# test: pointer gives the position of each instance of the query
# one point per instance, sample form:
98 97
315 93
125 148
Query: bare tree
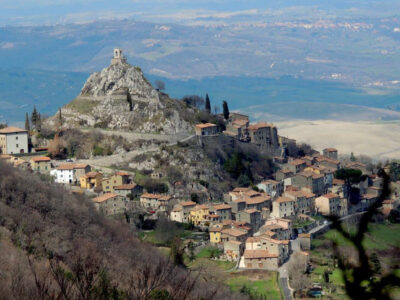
297 272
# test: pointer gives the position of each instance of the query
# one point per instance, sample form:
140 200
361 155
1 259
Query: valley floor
379 140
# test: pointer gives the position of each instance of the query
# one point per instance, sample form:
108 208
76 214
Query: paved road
285 288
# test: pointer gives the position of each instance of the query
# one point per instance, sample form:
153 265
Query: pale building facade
13 140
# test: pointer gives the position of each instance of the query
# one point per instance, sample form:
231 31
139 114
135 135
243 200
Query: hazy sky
15 12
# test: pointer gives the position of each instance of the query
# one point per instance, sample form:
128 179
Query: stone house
206 129
155 201
283 207
110 204
273 188
264 135
41 164
331 153
296 166
119 178
252 217
260 259
181 212
279 248
328 162
233 250
283 174
304 201
91 180
258 201
237 127
315 183
128 189
328 204
286 227
13 140
233 234
305 241
223 210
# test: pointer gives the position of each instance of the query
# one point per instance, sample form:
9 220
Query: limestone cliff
120 97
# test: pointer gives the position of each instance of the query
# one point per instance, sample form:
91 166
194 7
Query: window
17 145
16 139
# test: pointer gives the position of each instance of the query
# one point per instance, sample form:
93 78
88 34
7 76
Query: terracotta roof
215 229
234 232
251 211
269 181
252 193
285 171
259 125
301 193
222 206
40 159
284 199
330 195
72 166
386 211
254 254
297 162
104 197
120 173
165 198
257 200
129 186
310 174
91 174
150 196
330 150
177 209
200 207
206 125
214 216
188 203
369 196
11 130
253 239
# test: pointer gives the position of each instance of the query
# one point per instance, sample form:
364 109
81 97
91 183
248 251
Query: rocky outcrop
120 97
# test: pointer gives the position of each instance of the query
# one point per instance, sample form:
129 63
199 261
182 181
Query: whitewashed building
13 140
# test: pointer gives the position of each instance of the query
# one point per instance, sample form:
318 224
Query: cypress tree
60 119
225 109
34 116
208 104
27 124
38 123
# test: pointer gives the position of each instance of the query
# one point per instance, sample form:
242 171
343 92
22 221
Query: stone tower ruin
118 56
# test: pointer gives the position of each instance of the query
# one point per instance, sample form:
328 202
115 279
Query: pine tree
27 124
34 116
225 109
208 104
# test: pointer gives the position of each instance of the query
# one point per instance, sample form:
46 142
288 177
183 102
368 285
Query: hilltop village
260 224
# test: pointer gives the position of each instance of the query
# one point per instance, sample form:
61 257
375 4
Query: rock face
120 97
